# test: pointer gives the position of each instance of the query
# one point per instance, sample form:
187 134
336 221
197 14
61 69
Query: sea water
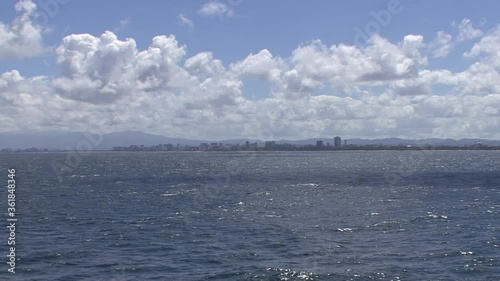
339 215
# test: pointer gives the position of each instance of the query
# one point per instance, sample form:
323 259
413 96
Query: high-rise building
204 146
269 144
319 143
337 141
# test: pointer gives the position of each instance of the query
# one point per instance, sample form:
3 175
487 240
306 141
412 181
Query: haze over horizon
252 69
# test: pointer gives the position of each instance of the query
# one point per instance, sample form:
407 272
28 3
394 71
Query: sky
252 68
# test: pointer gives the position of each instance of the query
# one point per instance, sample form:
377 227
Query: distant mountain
423 142
62 140
240 141
135 137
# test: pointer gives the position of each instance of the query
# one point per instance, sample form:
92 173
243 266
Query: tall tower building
337 141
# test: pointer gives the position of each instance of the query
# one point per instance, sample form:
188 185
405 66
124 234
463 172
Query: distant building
269 144
204 146
254 146
337 141
214 146
319 143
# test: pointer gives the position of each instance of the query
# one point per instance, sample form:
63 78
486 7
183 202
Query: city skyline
252 69
136 141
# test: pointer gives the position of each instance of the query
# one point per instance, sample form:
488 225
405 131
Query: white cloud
482 76
93 69
441 45
103 69
344 66
123 24
184 20
21 38
204 65
488 45
467 31
215 8
261 65
380 90
413 87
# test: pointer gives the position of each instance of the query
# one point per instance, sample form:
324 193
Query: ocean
332 215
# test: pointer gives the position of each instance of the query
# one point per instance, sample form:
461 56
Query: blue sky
299 38
278 26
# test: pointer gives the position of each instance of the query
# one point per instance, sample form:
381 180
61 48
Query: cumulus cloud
22 38
315 64
103 69
261 65
215 8
467 31
204 65
488 45
93 69
160 89
412 87
482 76
441 45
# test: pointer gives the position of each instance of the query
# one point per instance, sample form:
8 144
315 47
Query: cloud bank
383 89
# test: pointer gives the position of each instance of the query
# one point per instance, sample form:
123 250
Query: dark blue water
376 215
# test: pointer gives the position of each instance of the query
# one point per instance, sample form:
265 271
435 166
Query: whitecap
170 194
308 184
